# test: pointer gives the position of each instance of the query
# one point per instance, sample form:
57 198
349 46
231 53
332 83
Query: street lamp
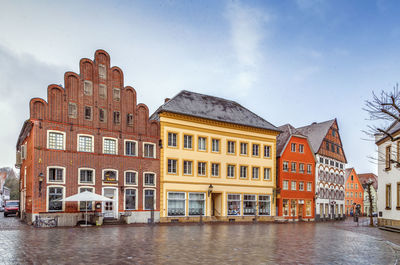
40 178
210 189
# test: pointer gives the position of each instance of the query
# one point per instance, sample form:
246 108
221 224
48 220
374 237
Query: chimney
166 100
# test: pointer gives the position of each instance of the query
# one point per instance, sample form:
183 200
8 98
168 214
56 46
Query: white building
389 177
364 178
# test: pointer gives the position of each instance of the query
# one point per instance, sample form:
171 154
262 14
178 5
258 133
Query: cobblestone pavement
298 243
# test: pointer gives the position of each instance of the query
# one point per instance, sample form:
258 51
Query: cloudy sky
289 61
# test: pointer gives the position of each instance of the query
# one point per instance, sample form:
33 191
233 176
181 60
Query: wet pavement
298 243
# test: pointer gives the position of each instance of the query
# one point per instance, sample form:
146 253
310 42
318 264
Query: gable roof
316 132
392 129
213 108
347 173
287 132
366 176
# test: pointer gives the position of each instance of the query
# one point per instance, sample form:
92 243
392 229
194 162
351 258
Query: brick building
295 175
89 135
354 192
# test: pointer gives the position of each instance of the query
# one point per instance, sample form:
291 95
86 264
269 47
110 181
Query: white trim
136 178
79 191
155 179
55 182
55 131
115 201
47 197
204 200
136 149
136 198
109 169
79 176
77 142
154 200
186 197
154 150
116 145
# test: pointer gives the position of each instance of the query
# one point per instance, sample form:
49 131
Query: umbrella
86 196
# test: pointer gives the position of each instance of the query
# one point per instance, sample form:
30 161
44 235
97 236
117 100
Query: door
300 211
216 200
110 209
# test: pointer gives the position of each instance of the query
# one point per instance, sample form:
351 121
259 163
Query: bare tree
368 185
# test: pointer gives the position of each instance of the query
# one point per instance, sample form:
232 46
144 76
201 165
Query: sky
296 62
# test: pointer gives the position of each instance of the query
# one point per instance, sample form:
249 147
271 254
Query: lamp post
40 178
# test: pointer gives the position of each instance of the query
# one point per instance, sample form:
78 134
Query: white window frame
234 171
136 149
293 147
285 187
244 149
154 149
255 150
79 176
301 148
186 204
218 145
47 198
116 145
300 184
186 136
154 200
202 145
231 147
79 191
267 169
309 186
253 170
176 166
270 204
191 168
205 168
136 178
174 139
55 182
136 198
109 169
155 179
291 185
267 154
213 171
48 138
77 142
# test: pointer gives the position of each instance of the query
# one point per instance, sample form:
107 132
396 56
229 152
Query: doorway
216 203
110 209
300 212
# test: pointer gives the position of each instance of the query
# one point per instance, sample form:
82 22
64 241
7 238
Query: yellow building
217 160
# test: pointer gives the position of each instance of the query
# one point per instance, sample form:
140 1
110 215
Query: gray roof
316 133
213 108
287 131
393 128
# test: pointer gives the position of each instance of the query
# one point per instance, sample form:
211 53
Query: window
172 166
256 173
333 148
102 91
321 160
267 173
129 119
352 178
102 71
293 208
301 168
359 195
331 163
285 206
56 140
214 170
308 208
256 150
243 171
187 167
85 206
102 115
333 132
301 148
231 147
234 204
88 113
326 161
72 110
215 145
85 143
202 144
388 157
176 203
87 87
117 118
249 204
285 166
264 205
356 185
309 186
110 175
243 148
293 187
130 148
149 150
341 166
388 196
309 168
130 178
201 168
351 194
55 174
293 147
267 151
149 179
351 185
196 203
130 199
336 164
149 199
86 176
54 194
110 146
187 142
231 171
327 146
116 94
286 184
293 167
301 185
172 140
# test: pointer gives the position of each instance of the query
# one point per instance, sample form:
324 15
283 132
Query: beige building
217 160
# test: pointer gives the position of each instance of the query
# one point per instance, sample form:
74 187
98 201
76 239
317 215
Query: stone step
112 221
395 229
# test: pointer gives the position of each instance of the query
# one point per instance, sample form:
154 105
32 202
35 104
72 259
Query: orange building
295 175
354 192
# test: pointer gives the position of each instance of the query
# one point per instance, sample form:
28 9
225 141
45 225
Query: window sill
398 208
387 169
388 208
110 181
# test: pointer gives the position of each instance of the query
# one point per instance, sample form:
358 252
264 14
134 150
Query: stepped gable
212 108
366 176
